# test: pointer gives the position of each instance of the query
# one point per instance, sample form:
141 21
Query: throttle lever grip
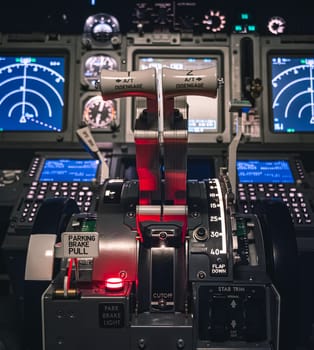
132 83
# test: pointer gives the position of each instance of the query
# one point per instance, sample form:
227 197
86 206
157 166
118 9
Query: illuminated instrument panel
152 235
282 179
33 93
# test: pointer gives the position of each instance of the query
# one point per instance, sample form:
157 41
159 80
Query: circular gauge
101 27
93 66
214 21
276 25
100 114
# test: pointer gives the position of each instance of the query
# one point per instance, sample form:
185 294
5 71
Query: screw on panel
141 343
180 343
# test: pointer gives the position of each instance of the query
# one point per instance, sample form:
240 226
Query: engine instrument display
292 93
32 92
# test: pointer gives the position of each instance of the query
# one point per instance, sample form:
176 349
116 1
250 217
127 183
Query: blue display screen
292 94
32 93
71 170
264 171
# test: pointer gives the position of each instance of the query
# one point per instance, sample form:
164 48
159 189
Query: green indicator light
290 130
18 60
244 16
303 61
251 28
238 28
33 60
89 226
241 228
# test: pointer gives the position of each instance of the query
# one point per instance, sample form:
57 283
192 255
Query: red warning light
114 283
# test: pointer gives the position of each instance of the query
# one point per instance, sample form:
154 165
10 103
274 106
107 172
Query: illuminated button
114 284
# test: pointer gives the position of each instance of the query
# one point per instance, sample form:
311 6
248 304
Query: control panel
10 180
166 245
51 176
281 178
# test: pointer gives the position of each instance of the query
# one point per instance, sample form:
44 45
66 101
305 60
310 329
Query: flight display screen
70 170
264 171
292 93
32 92
202 111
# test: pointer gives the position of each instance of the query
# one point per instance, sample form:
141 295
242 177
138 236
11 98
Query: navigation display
264 171
202 111
32 92
72 170
292 93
